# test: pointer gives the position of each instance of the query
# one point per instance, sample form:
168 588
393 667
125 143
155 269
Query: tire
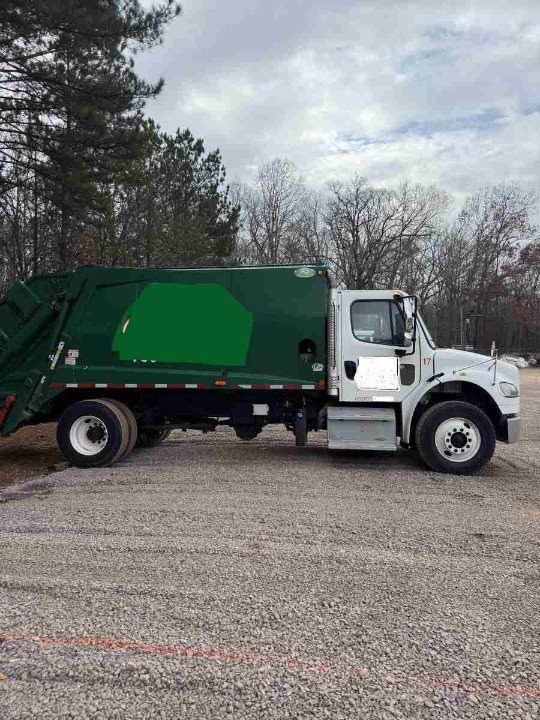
110 434
132 423
150 438
455 437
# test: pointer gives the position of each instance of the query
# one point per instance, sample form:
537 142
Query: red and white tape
180 386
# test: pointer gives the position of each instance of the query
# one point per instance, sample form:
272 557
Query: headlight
508 389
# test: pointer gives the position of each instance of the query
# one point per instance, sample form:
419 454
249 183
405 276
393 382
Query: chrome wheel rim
457 439
88 435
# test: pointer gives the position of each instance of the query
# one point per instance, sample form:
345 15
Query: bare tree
376 234
480 265
272 214
311 234
25 233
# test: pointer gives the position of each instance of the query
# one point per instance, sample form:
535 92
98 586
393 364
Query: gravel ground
208 578
28 453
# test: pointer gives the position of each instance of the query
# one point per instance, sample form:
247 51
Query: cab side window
378 321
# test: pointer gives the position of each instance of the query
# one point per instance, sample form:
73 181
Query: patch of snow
519 362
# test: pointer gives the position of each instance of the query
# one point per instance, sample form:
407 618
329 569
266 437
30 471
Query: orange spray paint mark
499 690
291 663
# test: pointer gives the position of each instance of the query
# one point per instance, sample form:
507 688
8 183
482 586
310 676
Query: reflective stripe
179 386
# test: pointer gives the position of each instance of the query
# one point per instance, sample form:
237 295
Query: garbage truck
119 357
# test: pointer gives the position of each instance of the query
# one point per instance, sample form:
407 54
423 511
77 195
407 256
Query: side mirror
408 305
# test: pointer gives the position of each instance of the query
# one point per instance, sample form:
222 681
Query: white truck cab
392 386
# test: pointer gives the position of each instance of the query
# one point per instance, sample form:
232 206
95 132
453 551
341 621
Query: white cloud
459 161
387 88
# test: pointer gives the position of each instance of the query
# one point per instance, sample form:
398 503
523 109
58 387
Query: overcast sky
435 91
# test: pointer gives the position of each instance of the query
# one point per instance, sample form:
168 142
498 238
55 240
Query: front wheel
455 437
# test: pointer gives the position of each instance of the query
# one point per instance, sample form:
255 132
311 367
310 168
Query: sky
433 91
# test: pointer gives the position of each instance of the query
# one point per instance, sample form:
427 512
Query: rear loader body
121 356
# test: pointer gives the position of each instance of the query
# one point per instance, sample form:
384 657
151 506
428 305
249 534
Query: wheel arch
461 391
62 400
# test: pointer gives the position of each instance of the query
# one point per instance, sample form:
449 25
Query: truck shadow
280 449
371 458
229 449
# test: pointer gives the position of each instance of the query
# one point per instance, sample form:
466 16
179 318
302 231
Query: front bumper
510 427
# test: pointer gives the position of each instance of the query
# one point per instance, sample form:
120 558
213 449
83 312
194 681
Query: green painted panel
185 323
279 306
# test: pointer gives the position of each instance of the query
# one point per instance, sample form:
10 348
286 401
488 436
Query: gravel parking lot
210 577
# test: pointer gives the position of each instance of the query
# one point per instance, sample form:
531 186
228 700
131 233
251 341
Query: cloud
387 88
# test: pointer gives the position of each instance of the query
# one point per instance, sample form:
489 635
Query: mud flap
300 428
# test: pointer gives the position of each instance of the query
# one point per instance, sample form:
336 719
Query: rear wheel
132 423
92 433
455 437
150 438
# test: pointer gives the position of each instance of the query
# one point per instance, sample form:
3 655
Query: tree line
476 268
86 177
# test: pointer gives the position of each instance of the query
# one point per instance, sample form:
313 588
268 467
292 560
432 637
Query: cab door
376 364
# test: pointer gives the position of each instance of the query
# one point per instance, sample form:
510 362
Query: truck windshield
426 332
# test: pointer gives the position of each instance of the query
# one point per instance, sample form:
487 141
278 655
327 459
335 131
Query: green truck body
122 328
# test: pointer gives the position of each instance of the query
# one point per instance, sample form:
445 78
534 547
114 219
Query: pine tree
70 101
201 220
171 208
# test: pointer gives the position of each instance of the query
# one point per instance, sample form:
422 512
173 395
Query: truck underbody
247 411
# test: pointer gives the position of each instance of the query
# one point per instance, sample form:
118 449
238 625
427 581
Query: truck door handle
350 369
